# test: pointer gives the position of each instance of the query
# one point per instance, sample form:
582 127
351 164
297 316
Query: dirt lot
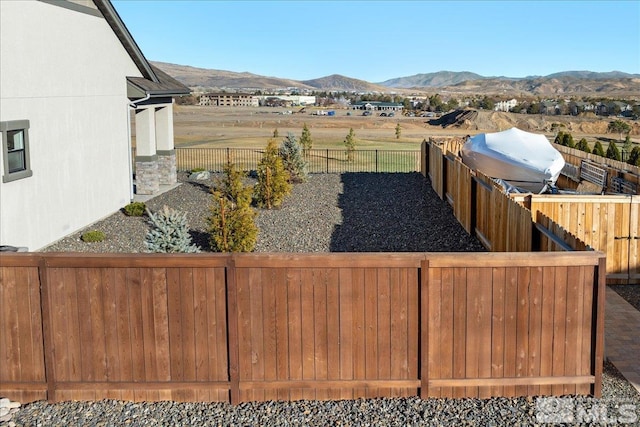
196 126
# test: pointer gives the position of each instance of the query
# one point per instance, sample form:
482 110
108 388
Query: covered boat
524 160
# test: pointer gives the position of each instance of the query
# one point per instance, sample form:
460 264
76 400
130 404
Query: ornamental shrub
169 232
583 145
305 140
613 152
232 226
350 144
93 236
634 156
135 209
273 180
597 149
291 153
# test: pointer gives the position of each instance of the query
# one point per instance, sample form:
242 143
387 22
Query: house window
15 150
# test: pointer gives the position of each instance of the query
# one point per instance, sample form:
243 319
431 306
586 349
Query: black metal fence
318 160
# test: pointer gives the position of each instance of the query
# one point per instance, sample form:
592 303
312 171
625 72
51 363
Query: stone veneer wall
167 170
147 177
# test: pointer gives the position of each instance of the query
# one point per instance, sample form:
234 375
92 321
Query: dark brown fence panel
327 326
520 324
144 332
212 327
22 368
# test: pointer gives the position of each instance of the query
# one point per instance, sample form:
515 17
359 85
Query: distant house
505 105
71 75
377 106
225 99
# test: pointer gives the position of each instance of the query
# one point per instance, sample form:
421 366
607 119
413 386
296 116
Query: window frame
5 128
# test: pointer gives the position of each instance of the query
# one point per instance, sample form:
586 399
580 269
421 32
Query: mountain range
614 83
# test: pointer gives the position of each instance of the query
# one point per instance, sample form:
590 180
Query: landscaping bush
232 226
169 233
273 180
291 153
135 209
613 152
93 236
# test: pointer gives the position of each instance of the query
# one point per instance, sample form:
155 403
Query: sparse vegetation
398 131
620 127
305 140
135 209
350 144
93 236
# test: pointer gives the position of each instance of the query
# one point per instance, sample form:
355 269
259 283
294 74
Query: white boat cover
525 160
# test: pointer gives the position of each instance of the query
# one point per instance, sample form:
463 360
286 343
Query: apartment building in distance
223 99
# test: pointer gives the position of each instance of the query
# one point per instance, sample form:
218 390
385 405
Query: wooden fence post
423 325
45 316
232 331
598 332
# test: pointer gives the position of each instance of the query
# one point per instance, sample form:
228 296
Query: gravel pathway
329 213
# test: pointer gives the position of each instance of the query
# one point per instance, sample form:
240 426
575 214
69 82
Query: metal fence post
327 160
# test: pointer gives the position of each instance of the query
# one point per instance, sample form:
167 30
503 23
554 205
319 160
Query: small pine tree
305 140
567 140
559 137
291 153
597 149
628 145
350 144
275 133
232 226
169 233
583 145
398 131
634 156
613 152
273 180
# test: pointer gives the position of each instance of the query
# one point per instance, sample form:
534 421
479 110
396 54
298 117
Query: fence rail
318 160
252 327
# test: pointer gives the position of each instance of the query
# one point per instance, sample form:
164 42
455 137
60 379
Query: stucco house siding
65 72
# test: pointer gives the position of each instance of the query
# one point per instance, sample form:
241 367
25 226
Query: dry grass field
247 127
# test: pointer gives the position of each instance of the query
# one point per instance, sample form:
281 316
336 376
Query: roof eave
125 37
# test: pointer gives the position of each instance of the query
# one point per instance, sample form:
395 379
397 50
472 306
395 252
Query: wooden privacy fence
215 327
503 222
608 223
481 207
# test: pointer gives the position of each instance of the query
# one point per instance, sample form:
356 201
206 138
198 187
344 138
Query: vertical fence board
559 327
498 327
346 334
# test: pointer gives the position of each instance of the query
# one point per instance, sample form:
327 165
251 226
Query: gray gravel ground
353 212
329 213
620 401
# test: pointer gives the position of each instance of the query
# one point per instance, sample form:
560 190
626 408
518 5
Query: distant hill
614 83
219 79
439 79
342 83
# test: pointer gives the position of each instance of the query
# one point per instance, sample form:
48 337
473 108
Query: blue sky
380 40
